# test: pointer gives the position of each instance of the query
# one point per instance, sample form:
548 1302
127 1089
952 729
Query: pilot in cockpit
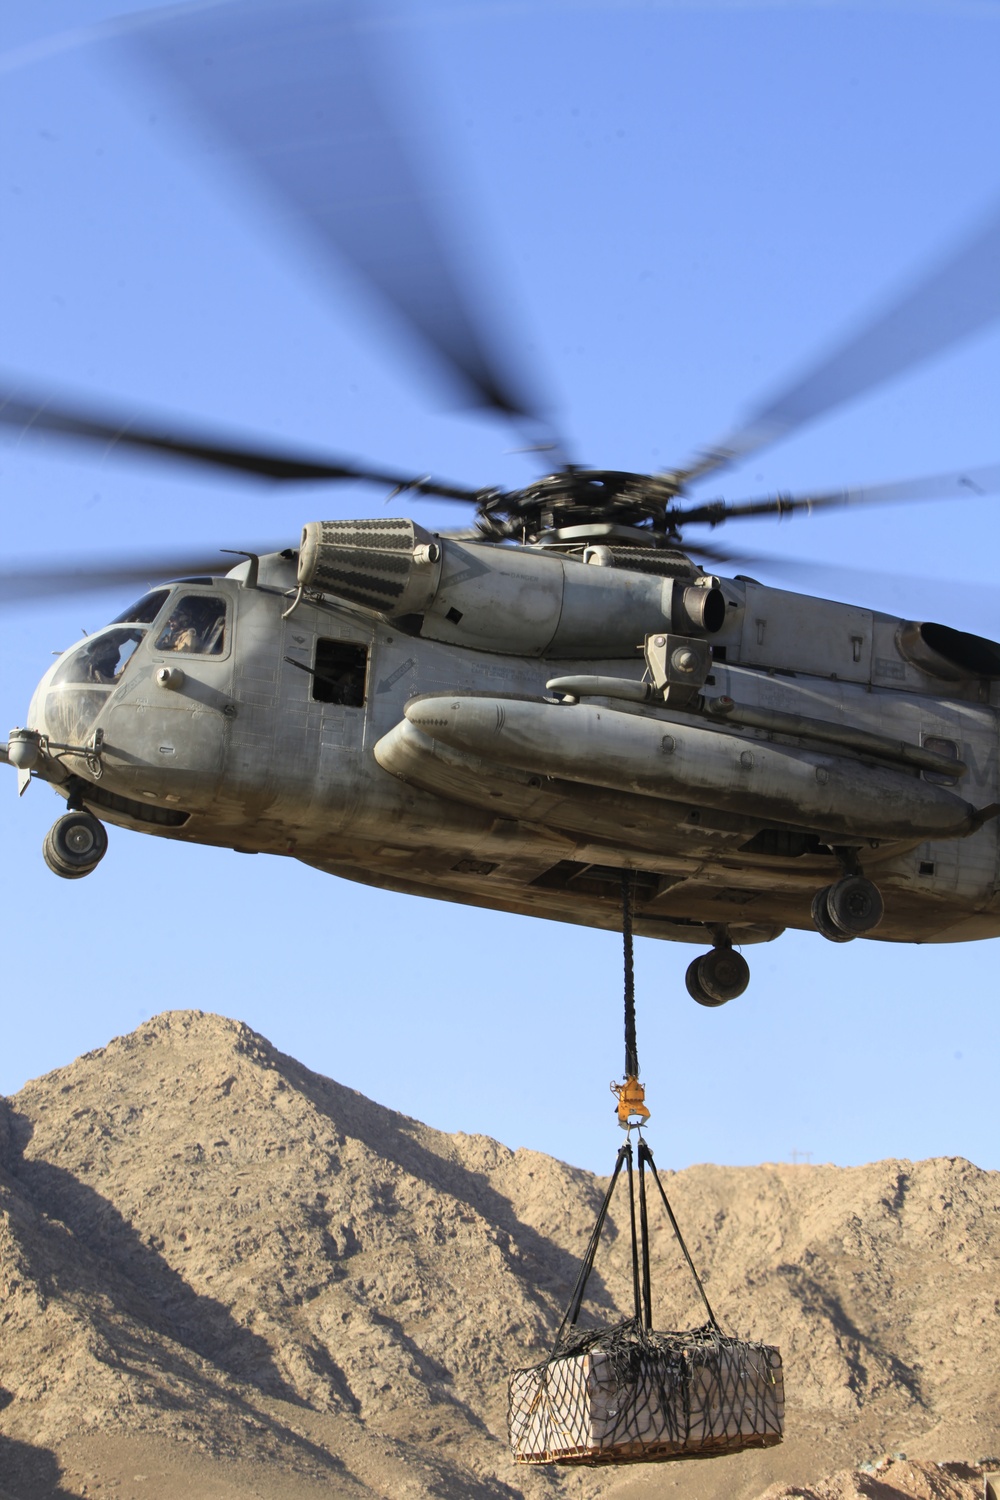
105 660
180 632
102 665
197 623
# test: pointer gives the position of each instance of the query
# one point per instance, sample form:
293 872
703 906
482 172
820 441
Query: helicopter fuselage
423 751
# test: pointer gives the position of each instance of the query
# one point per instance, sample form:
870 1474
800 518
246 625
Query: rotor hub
576 500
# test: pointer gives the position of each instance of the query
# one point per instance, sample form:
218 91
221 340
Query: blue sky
685 205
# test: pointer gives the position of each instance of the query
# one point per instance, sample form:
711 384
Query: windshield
83 679
144 611
101 659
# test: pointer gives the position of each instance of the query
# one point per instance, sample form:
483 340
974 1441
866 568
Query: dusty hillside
221 1271
890 1479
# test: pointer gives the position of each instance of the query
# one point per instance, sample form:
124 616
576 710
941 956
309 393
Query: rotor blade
951 301
744 557
873 588
31 414
38 579
962 485
294 88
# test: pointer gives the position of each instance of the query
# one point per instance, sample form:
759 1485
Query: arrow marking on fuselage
393 677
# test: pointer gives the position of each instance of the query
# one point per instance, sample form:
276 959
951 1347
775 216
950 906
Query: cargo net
628 1394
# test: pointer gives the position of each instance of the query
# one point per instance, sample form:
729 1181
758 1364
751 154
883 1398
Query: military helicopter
510 715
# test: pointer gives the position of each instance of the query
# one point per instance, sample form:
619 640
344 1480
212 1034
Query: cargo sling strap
632 1113
641 1289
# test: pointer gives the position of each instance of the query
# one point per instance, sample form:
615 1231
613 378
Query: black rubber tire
854 905
823 922
693 985
56 865
717 977
75 844
724 974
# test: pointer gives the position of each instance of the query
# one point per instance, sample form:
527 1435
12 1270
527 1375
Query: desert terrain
224 1275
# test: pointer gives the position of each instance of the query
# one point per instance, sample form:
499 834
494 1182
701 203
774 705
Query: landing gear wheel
74 845
854 905
717 977
848 909
822 922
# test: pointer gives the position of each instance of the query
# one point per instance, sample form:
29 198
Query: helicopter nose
64 714
37 720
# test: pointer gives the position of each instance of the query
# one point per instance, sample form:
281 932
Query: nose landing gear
717 976
848 909
74 845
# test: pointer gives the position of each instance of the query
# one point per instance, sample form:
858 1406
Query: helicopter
510 715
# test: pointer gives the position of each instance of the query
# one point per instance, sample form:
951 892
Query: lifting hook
631 1102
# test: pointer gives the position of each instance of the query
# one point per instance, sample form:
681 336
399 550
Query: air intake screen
365 562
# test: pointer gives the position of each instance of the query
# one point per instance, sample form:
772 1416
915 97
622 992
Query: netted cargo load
630 1394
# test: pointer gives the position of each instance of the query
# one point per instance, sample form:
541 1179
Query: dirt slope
219 1271
891 1479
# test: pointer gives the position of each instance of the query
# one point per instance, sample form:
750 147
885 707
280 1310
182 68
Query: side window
197 623
339 673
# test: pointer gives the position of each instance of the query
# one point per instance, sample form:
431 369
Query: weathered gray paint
259 764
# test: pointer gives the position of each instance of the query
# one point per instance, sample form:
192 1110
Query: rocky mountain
222 1272
892 1478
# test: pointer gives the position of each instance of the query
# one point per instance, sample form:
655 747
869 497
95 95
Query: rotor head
576 505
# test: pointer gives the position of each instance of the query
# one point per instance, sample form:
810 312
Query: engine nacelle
518 601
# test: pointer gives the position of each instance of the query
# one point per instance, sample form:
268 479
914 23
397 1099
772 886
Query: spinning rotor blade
952 301
39 580
293 87
955 486
32 414
867 586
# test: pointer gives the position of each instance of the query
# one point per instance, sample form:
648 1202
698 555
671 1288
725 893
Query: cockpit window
144 611
101 660
197 623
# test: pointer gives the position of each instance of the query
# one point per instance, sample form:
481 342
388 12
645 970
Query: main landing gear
74 845
848 909
717 976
